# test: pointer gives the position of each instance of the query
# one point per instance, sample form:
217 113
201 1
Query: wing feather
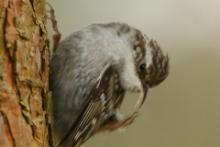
82 128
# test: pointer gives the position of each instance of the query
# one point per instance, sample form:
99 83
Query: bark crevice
6 127
24 60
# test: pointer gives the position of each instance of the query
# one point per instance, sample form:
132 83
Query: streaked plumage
90 72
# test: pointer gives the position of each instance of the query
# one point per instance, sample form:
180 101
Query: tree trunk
24 56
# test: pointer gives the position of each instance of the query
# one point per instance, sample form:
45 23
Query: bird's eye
142 66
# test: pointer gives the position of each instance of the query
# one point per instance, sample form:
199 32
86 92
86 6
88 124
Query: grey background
185 110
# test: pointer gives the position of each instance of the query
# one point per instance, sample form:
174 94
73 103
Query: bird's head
152 67
146 66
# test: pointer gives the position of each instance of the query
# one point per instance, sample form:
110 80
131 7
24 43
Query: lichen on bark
24 59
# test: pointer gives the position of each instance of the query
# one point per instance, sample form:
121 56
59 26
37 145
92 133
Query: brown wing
100 107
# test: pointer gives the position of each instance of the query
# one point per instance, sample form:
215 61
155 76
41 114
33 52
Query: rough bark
24 57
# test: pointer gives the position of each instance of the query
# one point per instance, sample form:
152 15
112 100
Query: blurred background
184 111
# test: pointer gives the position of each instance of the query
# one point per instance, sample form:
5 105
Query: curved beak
144 91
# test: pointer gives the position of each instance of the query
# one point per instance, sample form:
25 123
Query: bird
90 72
